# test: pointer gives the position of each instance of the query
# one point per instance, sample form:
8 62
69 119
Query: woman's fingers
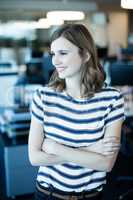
111 139
111 145
111 149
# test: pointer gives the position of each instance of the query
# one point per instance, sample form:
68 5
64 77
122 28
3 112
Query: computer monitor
7 80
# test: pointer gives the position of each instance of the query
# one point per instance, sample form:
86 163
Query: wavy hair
92 73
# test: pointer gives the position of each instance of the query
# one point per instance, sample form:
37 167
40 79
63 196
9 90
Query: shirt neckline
76 99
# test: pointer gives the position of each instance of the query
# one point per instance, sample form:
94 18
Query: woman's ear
86 57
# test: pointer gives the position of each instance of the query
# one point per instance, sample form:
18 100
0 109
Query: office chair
121 74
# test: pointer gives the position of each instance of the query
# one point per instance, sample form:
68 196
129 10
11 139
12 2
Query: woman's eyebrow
60 50
64 50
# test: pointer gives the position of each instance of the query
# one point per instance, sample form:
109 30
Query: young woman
76 121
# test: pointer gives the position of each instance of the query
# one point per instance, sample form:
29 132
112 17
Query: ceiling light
66 15
128 4
51 22
43 23
55 21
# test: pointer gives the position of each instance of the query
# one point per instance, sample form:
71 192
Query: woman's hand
106 146
111 145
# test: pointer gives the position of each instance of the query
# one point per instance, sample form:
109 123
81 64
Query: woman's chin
62 76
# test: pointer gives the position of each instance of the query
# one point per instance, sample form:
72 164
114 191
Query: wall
117 31
112 33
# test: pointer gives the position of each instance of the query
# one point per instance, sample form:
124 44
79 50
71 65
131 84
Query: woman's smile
61 69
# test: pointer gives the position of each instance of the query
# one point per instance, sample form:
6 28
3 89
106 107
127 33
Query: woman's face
66 58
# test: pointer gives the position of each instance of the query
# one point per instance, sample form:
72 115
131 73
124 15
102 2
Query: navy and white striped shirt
75 123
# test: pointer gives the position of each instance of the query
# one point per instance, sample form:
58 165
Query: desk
17 176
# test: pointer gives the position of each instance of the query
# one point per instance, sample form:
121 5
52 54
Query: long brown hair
92 73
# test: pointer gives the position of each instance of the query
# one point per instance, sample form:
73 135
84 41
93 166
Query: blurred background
25 64
24 28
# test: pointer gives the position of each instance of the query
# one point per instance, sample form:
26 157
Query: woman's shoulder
45 89
42 92
110 91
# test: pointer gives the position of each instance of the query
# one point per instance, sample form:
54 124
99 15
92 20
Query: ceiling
34 9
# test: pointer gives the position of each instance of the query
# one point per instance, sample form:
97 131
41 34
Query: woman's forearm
84 158
41 158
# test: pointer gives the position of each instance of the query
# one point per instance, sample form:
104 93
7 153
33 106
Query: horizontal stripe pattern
76 182
76 123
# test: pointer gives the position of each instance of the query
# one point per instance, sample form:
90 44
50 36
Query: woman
76 121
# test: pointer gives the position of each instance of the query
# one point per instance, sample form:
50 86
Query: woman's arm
38 157
106 146
89 159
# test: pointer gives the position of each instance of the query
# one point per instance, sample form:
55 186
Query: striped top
75 123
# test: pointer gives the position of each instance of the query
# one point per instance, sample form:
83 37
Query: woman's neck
73 88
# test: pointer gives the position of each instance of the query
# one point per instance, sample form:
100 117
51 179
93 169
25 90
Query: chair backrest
121 74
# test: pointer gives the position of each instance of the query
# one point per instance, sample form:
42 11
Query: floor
23 197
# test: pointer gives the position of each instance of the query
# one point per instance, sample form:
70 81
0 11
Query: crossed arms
99 156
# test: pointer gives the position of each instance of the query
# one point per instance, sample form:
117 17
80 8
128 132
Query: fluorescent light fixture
56 22
50 22
66 15
43 23
127 4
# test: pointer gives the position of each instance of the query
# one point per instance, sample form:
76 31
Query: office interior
25 65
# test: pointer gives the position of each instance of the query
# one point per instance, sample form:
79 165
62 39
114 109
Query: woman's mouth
60 69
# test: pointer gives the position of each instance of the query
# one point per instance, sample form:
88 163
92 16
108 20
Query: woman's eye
63 53
60 53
